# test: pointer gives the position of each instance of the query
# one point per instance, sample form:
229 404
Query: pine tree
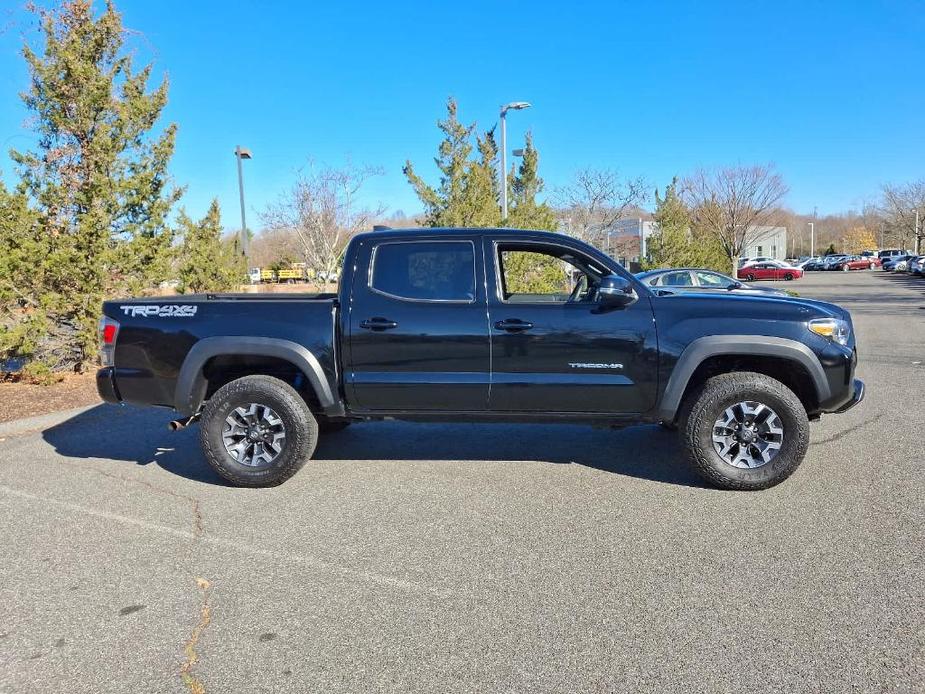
525 185
98 179
207 264
22 248
676 242
468 190
468 194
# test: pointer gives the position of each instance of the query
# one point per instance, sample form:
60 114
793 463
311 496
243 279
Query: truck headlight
834 329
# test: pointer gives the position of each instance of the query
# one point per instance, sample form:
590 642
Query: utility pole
812 239
917 245
242 153
513 106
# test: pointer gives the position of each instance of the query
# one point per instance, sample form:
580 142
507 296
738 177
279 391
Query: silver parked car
695 279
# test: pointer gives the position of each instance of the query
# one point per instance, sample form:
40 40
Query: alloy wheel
748 434
254 435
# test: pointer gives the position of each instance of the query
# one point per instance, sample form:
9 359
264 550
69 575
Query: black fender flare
716 345
191 384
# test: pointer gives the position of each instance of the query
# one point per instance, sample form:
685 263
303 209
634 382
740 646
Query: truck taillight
109 330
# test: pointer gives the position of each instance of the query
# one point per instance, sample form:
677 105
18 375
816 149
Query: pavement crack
193 501
193 683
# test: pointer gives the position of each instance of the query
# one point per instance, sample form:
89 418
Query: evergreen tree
676 242
467 194
97 180
22 248
525 185
207 263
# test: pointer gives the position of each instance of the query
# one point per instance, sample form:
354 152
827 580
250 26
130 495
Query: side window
677 279
708 279
546 273
425 271
532 276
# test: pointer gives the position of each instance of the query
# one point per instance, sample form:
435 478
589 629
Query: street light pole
917 231
242 153
812 239
513 106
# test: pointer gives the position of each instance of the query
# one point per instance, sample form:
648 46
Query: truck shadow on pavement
140 436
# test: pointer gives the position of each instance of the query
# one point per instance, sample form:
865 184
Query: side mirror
734 285
616 291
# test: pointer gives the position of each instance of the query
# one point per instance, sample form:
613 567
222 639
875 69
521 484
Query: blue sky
830 92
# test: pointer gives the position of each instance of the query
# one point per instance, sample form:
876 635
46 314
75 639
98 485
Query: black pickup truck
485 325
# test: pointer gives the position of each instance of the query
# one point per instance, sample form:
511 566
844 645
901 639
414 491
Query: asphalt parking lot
472 558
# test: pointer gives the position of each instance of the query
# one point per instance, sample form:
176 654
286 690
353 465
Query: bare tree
275 245
595 200
322 211
733 203
899 205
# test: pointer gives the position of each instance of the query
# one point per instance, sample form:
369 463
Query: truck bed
157 334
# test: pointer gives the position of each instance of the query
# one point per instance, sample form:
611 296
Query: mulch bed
19 400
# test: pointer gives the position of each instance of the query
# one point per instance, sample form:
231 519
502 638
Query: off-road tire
300 427
331 426
702 407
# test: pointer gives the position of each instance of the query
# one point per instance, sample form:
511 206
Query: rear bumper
106 385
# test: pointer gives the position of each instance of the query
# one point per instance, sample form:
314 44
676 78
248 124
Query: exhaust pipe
178 424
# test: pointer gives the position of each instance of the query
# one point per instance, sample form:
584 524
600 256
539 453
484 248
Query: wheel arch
192 383
750 350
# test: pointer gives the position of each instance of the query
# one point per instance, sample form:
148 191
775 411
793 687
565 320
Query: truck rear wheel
257 431
744 431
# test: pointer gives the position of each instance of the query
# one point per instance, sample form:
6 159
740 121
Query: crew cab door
418 329
554 347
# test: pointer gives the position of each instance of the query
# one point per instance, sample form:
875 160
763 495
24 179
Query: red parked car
769 271
858 262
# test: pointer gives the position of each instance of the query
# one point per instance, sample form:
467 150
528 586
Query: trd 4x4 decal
170 311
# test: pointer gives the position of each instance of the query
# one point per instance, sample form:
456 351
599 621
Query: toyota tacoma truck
489 325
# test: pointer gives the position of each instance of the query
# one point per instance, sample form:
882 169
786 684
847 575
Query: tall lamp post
513 106
917 240
239 154
812 239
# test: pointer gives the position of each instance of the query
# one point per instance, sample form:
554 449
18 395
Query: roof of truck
456 231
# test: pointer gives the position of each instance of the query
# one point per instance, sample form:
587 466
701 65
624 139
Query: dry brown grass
19 400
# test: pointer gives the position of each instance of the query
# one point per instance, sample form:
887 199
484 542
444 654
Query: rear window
425 270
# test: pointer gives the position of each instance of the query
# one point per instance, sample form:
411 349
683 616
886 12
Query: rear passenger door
418 329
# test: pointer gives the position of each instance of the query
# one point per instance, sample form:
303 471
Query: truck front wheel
257 431
744 431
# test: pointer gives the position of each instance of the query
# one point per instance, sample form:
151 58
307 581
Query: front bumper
857 395
106 385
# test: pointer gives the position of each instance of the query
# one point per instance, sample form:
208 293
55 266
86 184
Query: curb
42 421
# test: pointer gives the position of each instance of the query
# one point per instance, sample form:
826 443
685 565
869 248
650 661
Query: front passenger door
554 349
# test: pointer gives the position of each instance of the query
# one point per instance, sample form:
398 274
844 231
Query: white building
628 239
